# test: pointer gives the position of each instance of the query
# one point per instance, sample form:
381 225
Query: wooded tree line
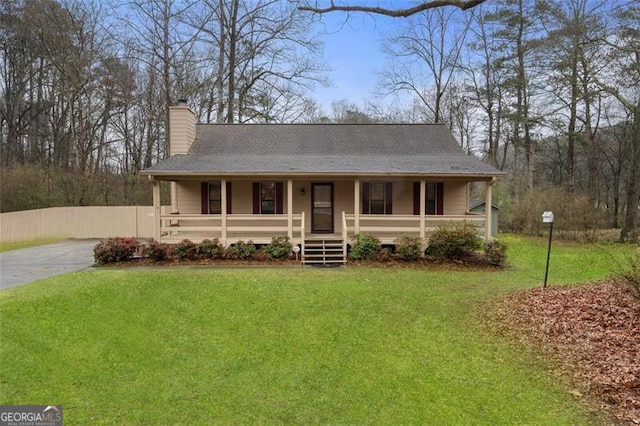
547 90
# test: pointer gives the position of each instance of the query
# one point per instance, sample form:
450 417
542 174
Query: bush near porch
458 243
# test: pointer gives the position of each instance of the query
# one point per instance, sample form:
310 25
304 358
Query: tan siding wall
77 222
188 194
343 202
242 197
455 198
403 197
182 125
302 203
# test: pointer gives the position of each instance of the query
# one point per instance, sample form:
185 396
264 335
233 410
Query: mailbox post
547 217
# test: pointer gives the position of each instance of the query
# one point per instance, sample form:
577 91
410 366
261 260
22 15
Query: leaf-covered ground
592 330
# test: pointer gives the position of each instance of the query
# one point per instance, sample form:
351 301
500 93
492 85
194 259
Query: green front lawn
228 346
26 244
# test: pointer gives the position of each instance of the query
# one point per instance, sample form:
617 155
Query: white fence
77 222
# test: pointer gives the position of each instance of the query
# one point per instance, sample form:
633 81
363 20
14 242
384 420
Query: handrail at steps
302 236
345 234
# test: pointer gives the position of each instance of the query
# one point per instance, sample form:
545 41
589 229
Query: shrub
575 216
115 250
495 253
384 255
242 250
185 250
210 249
157 251
628 272
408 248
279 248
364 247
454 241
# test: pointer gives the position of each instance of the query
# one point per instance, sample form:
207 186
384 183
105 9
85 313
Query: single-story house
318 184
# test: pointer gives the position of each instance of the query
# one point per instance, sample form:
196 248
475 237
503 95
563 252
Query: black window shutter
416 198
365 198
204 197
279 193
228 197
440 198
256 197
388 197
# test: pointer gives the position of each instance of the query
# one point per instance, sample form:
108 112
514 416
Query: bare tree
573 57
624 60
487 76
433 42
519 32
159 37
263 56
396 13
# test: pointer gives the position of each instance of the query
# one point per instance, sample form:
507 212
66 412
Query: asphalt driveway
23 266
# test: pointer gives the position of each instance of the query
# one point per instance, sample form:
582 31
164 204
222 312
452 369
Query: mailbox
547 217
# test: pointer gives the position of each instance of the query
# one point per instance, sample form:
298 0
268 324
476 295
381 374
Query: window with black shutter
267 197
434 196
377 198
211 197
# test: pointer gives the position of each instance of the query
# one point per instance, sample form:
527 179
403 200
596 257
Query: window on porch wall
267 197
211 197
434 198
377 198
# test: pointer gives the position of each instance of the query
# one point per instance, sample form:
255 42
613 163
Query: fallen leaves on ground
593 330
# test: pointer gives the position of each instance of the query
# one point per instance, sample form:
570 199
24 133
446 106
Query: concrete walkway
23 266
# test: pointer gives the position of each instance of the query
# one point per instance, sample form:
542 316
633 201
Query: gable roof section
358 149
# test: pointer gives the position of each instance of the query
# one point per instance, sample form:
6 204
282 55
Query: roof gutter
193 174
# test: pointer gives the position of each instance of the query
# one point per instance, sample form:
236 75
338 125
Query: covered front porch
308 208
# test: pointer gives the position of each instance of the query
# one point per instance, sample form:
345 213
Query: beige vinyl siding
182 133
403 197
455 198
242 197
301 203
188 193
342 202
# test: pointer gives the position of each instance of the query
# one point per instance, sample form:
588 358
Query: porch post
157 221
488 210
174 197
223 212
290 209
356 206
423 200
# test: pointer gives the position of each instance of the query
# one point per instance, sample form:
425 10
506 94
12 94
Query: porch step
323 252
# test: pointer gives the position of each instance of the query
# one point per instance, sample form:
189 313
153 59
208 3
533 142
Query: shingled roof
345 149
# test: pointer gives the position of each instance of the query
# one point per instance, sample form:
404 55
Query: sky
352 50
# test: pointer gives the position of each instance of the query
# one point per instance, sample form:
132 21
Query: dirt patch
593 331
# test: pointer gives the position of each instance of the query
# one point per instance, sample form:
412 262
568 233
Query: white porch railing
261 228
388 227
258 228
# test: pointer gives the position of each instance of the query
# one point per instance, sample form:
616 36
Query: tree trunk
630 231
221 55
233 41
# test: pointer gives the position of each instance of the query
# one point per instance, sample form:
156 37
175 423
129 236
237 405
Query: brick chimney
182 128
